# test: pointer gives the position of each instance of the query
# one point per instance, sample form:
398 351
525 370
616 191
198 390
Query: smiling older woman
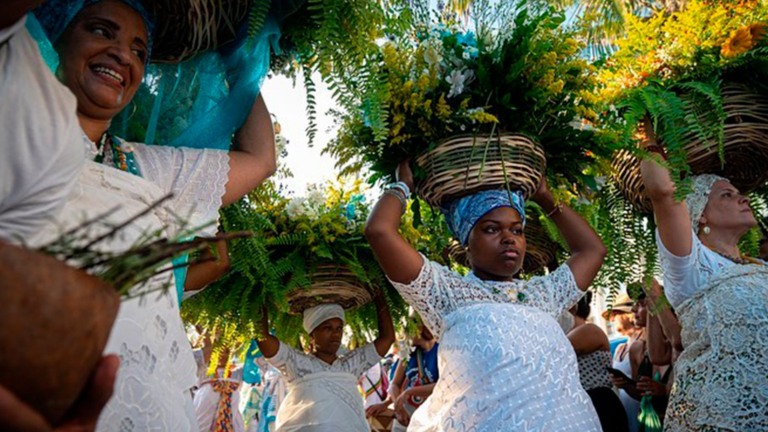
505 363
103 51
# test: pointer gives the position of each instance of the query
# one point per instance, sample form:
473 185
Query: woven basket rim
327 280
467 163
185 28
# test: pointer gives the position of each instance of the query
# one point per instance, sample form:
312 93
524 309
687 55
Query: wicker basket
188 27
539 253
466 164
330 284
745 142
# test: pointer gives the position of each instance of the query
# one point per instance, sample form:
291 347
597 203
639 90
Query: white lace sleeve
555 292
197 178
683 275
435 293
286 360
360 360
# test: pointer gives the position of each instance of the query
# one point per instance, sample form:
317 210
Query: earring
706 230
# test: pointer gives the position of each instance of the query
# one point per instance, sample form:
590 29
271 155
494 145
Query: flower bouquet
478 108
699 75
306 251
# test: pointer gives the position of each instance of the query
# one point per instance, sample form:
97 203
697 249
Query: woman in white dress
505 364
322 386
721 299
103 52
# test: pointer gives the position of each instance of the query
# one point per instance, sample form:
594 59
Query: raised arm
201 274
666 322
386 328
268 344
11 11
399 260
587 250
671 216
254 158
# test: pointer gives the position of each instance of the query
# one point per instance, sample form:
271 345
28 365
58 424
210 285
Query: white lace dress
157 367
505 364
721 378
323 397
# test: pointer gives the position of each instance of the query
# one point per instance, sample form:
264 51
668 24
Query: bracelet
397 193
401 186
558 208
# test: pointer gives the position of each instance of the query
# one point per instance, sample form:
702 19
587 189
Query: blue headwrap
463 213
55 16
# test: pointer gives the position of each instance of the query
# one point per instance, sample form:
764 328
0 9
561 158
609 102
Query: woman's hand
620 382
376 409
400 412
648 387
404 173
543 196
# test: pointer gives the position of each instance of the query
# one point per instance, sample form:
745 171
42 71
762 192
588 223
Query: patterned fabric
223 420
592 370
697 199
720 379
55 15
319 314
504 363
462 214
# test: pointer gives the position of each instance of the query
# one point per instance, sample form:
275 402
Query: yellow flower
738 43
443 110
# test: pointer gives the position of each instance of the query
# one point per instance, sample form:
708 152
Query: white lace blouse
157 366
720 378
504 362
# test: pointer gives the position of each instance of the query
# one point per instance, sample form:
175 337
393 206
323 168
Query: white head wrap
317 315
697 200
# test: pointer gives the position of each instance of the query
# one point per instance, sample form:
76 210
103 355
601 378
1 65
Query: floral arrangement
515 70
671 66
292 237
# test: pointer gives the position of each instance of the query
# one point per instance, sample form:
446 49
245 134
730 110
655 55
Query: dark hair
583 306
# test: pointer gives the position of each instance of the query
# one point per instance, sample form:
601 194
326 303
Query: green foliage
338 40
520 72
672 67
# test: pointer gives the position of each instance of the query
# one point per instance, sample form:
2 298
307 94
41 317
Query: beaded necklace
743 259
123 157
512 293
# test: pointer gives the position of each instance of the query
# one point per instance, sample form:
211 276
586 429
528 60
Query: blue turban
463 214
56 15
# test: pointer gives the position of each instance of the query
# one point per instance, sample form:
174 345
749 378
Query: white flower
458 80
295 207
431 56
315 198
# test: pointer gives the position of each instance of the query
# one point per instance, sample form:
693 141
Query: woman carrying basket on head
505 362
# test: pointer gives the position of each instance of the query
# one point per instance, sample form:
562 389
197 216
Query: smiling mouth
109 74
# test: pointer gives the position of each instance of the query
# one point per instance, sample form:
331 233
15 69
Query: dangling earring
706 230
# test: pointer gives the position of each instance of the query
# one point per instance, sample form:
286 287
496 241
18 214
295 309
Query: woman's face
327 336
423 337
497 245
103 53
727 208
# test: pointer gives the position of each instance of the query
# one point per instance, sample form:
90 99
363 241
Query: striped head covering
463 214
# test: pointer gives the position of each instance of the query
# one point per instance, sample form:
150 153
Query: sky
289 104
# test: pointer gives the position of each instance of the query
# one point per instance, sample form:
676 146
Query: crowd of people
489 354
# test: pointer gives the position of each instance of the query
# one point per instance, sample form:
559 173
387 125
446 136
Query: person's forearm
659 350
256 137
394 392
422 391
11 11
386 328
577 233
